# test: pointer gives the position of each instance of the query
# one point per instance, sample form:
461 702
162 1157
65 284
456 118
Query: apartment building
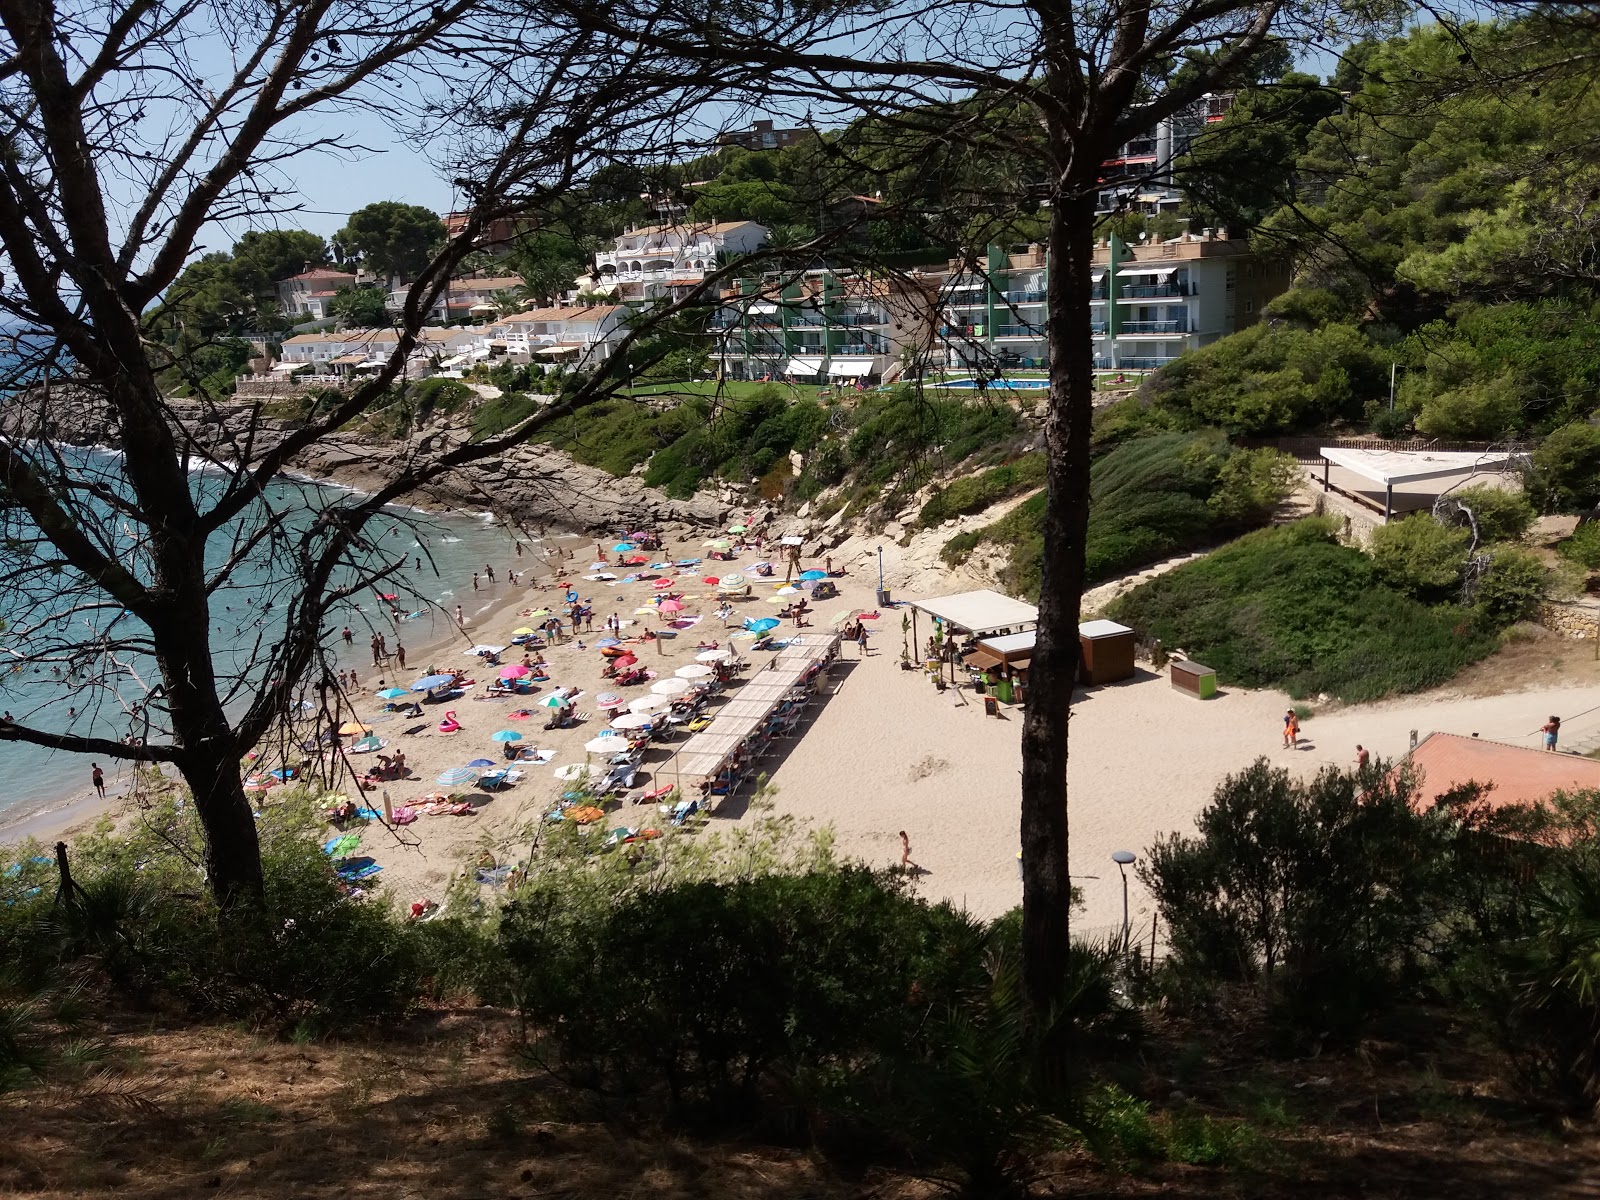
658 261
565 333
471 299
1149 304
824 326
308 293
350 351
1138 177
763 136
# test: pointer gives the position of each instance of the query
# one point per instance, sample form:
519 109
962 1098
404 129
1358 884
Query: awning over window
803 366
552 351
850 368
1161 273
288 366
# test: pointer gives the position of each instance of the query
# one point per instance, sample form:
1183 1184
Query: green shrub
760 979
974 493
1565 469
1503 515
1583 547
1420 557
1480 408
1511 588
429 396
1151 497
1317 892
502 413
1289 607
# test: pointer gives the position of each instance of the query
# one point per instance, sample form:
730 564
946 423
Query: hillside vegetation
1151 498
1291 608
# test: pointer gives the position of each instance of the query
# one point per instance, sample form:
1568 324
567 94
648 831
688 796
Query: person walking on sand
905 853
99 780
1361 757
861 637
400 654
1291 730
459 619
1551 730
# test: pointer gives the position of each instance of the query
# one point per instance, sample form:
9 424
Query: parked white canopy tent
1391 467
980 612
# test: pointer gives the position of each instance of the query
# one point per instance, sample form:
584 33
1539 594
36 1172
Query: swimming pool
1014 385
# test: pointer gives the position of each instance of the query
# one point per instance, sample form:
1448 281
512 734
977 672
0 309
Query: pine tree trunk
1046 886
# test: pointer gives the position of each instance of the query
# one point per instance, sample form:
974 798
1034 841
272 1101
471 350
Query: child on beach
1551 730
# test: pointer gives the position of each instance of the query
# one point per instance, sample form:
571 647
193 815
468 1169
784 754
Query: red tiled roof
1519 775
320 273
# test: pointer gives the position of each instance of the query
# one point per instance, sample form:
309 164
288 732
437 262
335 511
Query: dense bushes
1267 379
1151 497
1289 607
1565 474
1338 899
1501 514
974 493
1421 557
1583 547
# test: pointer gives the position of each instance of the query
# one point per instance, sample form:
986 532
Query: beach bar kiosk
1193 678
1106 651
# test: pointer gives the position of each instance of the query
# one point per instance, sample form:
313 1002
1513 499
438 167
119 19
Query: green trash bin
1005 691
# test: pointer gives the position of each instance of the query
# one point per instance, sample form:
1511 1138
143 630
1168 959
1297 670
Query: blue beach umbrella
620 547
392 693
428 682
761 624
481 762
813 574
457 775
505 735
283 773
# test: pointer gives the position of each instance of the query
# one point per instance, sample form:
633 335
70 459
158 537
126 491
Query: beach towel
537 757
342 845
353 870
494 876
368 814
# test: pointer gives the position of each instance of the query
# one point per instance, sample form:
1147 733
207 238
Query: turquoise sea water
246 615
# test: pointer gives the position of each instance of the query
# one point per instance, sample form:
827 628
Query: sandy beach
881 749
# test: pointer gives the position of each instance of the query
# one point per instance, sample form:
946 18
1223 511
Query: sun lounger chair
660 793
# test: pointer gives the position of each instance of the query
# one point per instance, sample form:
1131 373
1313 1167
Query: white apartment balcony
1005 333
655 250
1156 329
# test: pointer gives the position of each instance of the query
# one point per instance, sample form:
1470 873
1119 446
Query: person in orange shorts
1291 730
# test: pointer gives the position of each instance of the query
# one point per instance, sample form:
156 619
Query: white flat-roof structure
1391 467
979 612
1010 643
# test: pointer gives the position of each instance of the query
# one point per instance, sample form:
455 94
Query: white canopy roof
1100 629
979 612
851 367
803 366
288 366
1390 467
1158 272
552 351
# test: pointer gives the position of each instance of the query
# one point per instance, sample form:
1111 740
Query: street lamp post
880 574
1122 858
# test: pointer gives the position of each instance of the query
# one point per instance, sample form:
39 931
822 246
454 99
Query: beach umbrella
606 643
631 720
260 782
608 700
626 660
428 682
371 742
514 671
777 599
353 728
713 580
551 701
813 574
638 560
570 771
788 589
671 606
735 580
740 528
525 631
717 543
605 745
599 566
647 704
670 687
392 693
505 735
621 546
481 762
662 585
693 671
457 775
761 624
706 656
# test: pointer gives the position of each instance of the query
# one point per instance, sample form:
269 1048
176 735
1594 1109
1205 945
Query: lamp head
1123 857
